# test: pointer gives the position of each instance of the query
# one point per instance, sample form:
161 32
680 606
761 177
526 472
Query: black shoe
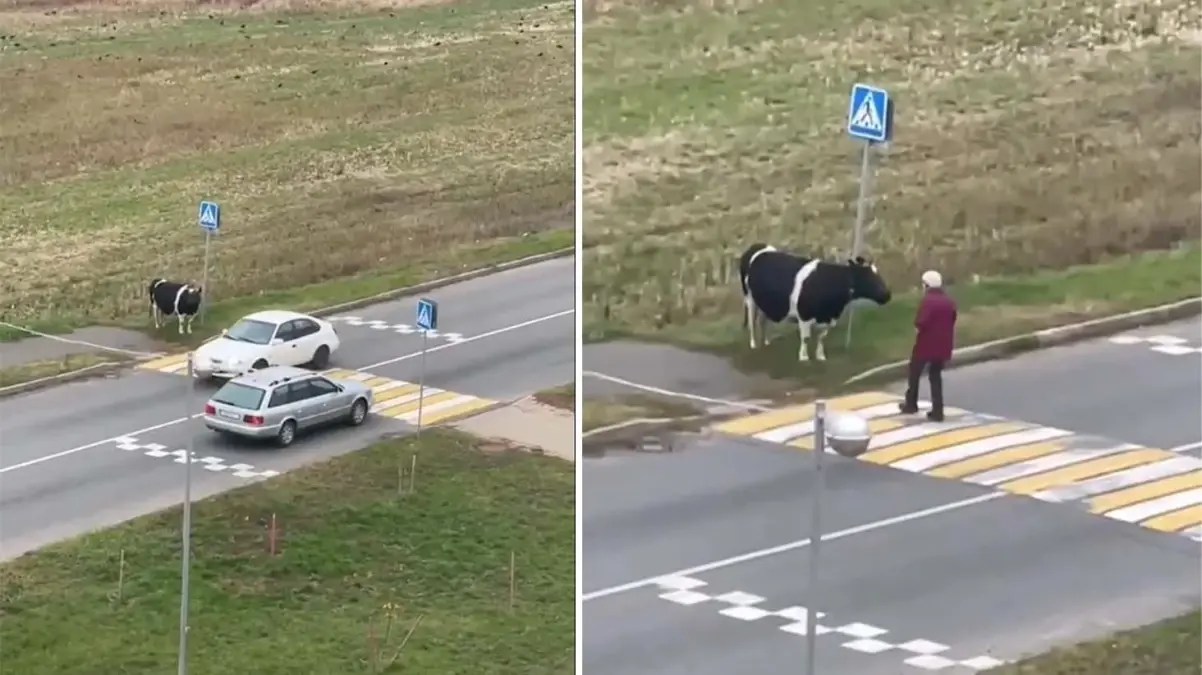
906 409
935 416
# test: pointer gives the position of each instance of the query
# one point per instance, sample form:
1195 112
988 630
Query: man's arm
924 314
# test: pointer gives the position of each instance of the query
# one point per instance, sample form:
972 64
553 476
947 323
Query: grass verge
36 370
563 397
990 309
603 412
352 558
1031 137
343 140
1170 647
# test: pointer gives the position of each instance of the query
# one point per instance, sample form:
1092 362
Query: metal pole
204 284
185 564
857 237
815 535
421 384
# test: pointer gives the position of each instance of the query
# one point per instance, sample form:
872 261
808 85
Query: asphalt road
675 543
93 453
1116 387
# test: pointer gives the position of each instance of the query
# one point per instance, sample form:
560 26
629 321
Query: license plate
229 415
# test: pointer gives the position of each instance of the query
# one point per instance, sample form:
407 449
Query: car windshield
249 330
239 396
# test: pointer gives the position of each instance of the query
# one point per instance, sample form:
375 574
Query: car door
303 404
330 398
287 351
308 338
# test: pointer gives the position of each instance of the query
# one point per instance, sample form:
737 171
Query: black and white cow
171 298
779 286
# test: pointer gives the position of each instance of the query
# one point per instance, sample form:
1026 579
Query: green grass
341 141
1032 136
1169 647
990 309
350 553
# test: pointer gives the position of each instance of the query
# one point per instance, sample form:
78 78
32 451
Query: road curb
425 286
94 370
1050 337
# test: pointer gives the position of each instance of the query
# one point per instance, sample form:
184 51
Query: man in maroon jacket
936 325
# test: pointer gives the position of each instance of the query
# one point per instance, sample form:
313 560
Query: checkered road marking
398 328
209 463
856 636
1164 344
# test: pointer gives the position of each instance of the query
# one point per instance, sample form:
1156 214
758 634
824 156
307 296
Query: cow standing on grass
171 298
779 286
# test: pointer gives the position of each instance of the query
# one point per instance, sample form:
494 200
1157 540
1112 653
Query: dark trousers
935 378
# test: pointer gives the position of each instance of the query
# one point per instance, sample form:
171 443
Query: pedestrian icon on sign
870 114
427 314
210 216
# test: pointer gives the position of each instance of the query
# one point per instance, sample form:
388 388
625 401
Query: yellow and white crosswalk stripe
393 398
399 399
175 364
1156 489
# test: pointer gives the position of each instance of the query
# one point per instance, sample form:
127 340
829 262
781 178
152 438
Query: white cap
932 279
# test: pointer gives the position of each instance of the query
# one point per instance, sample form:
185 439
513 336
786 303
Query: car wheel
287 434
321 358
259 365
358 413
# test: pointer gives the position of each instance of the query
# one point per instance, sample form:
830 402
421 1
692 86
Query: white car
269 338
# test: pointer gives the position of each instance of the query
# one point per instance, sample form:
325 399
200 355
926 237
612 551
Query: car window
321 386
252 331
299 391
279 397
305 327
287 331
239 396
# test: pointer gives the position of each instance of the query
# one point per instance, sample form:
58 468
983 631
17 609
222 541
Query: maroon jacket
936 324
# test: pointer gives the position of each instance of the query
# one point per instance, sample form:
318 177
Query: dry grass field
342 139
1031 135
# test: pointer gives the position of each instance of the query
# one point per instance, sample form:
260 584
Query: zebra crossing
397 399
1154 488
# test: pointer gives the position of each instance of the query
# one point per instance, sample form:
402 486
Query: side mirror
225 331
276 342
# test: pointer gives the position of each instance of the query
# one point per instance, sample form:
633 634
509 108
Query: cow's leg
820 341
154 313
179 322
803 332
750 312
764 337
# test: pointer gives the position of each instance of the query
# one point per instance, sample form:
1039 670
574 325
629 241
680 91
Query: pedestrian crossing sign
210 216
870 114
427 314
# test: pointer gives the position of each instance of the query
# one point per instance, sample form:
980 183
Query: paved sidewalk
528 423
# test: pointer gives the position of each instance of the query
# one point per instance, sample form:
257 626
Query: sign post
870 120
427 320
186 557
209 217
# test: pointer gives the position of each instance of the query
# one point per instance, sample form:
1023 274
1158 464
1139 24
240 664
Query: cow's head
867 283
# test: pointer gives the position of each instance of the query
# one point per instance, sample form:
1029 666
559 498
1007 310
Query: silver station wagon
281 401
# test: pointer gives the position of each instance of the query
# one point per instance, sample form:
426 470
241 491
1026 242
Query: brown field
342 139
1031 135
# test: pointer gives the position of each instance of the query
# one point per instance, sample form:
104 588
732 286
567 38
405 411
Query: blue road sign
870 114
427 314
210 216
